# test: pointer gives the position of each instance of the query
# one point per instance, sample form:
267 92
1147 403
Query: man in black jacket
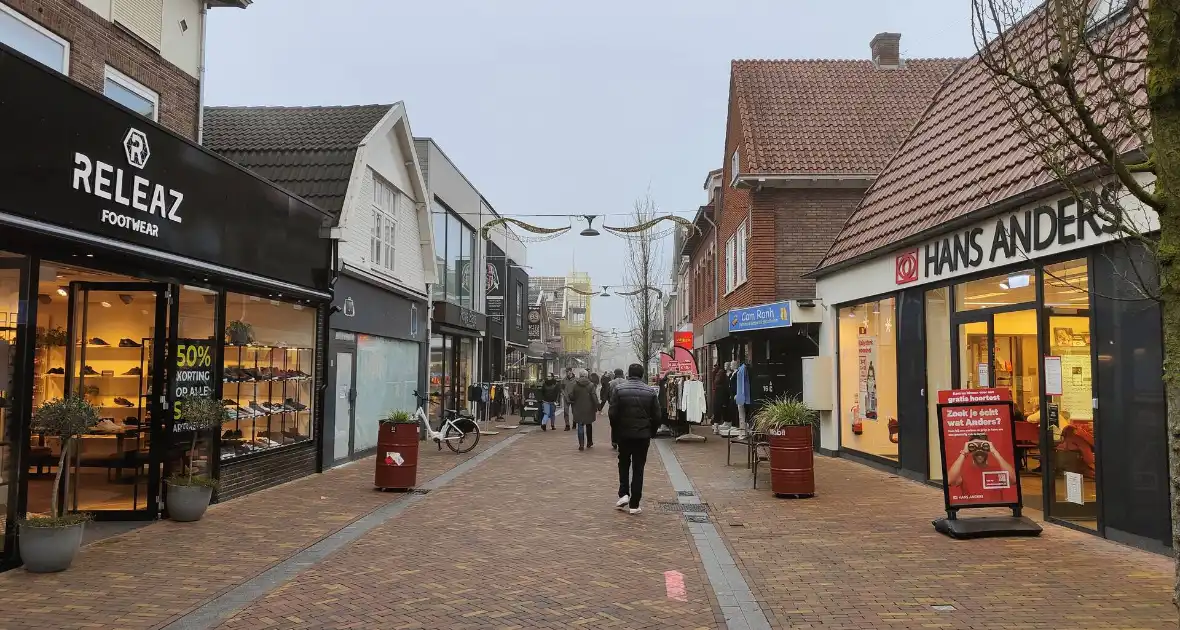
634 417
550 393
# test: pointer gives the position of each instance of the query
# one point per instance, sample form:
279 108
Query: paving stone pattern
862 554
529 539
153 575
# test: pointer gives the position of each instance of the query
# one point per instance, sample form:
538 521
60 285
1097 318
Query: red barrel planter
397 456
792 462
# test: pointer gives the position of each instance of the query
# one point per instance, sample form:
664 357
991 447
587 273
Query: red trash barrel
397 456
792 462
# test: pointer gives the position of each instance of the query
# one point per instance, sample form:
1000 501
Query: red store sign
906 267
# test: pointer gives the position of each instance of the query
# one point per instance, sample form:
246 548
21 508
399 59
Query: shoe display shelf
267 391
110 377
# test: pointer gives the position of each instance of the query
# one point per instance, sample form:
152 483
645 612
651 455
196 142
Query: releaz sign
128 189
1037 230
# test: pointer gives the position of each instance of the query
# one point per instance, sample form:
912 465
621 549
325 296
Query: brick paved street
527 539
862 554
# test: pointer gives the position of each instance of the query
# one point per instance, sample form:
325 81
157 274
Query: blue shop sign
777 315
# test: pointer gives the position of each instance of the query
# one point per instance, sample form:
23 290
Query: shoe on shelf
634 511
621 504
129 343
123 402
229 403
56 370
228 435
97 341
135 371
89 371
294 404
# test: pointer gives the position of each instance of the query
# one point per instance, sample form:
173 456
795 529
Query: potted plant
52 337
787 422
189 494
239 333
397 451
49 543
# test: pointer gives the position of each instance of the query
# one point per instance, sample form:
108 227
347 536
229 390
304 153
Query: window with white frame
34 40
735 259
730 275
735 161
740 246
383 238
131 94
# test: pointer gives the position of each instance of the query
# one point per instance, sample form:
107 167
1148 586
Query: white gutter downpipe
201 75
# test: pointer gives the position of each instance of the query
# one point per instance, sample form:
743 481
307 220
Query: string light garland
642 230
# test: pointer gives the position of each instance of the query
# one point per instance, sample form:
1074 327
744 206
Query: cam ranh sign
977 440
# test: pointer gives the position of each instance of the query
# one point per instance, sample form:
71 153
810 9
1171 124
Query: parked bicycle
459 430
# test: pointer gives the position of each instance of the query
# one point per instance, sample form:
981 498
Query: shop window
439 218
454 251
387 371
868 378
10 314
383 240
30 38
130 94
269 374
938 368
1017 287
1067 285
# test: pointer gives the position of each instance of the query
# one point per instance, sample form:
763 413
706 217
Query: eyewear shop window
454 248
996 336
868 378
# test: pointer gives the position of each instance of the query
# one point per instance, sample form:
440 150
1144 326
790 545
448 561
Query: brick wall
805 224
258 473
96 42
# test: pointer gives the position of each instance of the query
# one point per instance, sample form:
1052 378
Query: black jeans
632 458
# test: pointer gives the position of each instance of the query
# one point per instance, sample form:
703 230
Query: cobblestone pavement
529 539
150 576
863 554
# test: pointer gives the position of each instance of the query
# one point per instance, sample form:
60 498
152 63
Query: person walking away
550 393
567 386
604 391
720 398
584 402
634 414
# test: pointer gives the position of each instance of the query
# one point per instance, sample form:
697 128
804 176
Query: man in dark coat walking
634 417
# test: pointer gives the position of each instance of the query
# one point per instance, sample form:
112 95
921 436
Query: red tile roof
965 154
829 116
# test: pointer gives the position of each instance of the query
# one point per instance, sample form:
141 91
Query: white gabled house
359 164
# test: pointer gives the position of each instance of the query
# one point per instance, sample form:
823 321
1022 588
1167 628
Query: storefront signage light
777 315
1060 225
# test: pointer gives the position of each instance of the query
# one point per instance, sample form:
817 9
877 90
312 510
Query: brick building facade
96 42
804 140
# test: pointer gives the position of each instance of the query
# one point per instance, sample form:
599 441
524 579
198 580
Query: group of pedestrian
633 410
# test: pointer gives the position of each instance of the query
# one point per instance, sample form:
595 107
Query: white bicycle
459 430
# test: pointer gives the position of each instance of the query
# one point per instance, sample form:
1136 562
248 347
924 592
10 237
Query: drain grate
696 518
672 506
420 491
685 493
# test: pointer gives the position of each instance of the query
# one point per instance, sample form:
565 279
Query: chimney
886 50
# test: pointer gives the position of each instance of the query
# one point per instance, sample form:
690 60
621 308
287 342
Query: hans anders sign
777 315
1037 230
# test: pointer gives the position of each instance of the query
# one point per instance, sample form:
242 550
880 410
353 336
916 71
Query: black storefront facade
505 358
376 361
137 269
456 333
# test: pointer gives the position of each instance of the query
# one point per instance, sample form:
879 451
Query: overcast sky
556 106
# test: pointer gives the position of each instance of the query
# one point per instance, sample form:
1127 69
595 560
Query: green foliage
199 414
195 481
240 329
785 411
65 417
68 520
399 416
56 336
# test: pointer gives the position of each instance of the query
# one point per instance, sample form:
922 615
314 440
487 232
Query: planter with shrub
397 451
50 543
189 494
788 425
239 333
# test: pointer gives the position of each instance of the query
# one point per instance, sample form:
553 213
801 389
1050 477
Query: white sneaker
621 504
725 429
634 511
716 428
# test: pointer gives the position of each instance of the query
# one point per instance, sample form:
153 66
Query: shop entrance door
118 332
1000 349
1071 471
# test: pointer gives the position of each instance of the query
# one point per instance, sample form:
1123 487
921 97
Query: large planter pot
49 549
188 503
792 462
397 456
